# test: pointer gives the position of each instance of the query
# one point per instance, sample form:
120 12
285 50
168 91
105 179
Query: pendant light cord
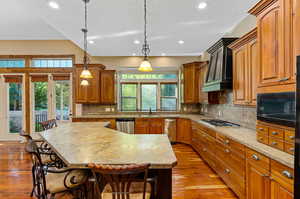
85 30
146 48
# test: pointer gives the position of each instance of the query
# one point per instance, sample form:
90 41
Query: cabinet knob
261 129
287 174
227 142
274 143
227 151
204 150
292 137
255 157
274 133
227 171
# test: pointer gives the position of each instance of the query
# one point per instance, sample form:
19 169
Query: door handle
284 79
274 133
255 157
287 174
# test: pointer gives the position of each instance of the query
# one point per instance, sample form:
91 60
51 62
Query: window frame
121 98
139 82
13 59
168 97
51 59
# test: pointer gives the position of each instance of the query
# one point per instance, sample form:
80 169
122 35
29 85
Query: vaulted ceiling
114 25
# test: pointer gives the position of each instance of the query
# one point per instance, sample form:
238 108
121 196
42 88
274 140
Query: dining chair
49 124
122 182
49 181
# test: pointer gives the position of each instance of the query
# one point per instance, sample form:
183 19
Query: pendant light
145 65
85 74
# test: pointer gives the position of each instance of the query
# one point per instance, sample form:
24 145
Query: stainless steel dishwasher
125 125
170 129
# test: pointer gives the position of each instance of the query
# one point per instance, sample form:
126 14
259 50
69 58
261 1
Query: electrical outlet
107 109
220 113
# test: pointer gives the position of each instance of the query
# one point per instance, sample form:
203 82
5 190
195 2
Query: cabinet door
184 131
257 182
107 87
93 89
190 78
271 49
81 91
240 80
253 65
203 96
279 192
156 126
141 126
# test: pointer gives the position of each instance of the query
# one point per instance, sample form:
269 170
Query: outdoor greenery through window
149 91
15 108
12 63
52 63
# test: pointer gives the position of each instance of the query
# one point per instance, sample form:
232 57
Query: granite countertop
88 142
242 135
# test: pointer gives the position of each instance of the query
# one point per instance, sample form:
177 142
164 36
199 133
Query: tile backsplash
226 110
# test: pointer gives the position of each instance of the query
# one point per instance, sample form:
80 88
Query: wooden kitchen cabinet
91 93
107 82
101 88
245 63
184 131
257 175
149 126
203 96
191 82
275 21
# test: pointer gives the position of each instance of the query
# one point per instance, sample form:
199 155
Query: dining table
81 143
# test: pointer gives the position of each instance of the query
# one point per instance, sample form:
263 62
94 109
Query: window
129 97
12 63
52 63
168 97
148 91
149 97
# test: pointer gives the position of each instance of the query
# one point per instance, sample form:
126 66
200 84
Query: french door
51 99
11 106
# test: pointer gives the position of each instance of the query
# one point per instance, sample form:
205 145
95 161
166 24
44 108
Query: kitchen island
78 144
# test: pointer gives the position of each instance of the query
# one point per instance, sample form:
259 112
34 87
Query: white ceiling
115 24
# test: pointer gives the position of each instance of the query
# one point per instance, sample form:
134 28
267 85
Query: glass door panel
62 99
40 90
15 120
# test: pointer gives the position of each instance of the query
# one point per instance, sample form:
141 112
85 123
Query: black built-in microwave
277 108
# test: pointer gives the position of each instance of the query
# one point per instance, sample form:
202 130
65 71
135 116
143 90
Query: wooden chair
49 181
122 182
49 124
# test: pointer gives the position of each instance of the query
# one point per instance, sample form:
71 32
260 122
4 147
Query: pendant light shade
145 65
86 74
84 82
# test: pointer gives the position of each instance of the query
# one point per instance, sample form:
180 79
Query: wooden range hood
219 75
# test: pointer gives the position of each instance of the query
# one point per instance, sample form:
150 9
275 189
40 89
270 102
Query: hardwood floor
192 178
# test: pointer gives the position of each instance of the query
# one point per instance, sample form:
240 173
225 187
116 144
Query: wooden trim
100 66
277 88
39 78
35 56
36 70
60 77
27 104
13 78
252 35
258 122
260 6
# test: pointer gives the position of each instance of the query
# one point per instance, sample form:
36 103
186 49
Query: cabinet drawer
262 129
289 136
258 159
262 138
276 143
233 145
277 133
289 148
283 175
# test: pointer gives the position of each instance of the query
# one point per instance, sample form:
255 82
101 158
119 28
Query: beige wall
66 47
245 26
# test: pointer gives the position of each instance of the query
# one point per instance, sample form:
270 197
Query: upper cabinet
275 21
203 96
191 82
245 64
107 95
101 88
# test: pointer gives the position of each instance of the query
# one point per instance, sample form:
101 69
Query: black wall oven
277 108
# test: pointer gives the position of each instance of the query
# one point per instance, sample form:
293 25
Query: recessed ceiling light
53 4
163 54
181 42
202 5
136 42
91 41
133 54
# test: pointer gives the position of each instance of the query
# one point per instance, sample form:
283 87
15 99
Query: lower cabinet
249 174
184 131
149 126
